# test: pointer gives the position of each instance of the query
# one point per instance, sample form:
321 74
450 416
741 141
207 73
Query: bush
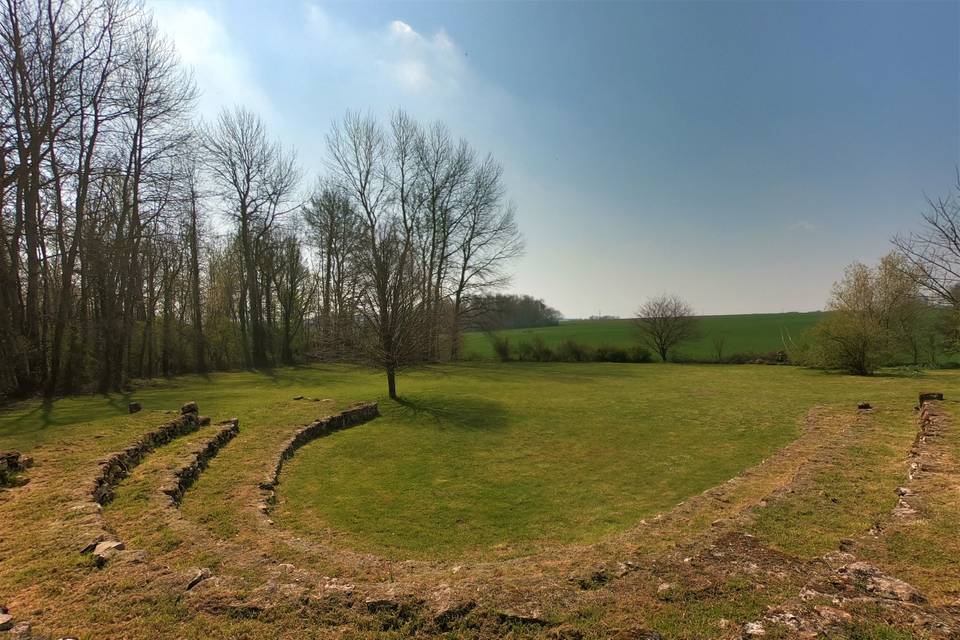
853 343
572 351
640 354
501 347
606 353
535 351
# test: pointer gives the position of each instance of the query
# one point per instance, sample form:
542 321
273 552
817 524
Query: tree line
139 241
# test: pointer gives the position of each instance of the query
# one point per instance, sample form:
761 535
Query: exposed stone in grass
878 583
452 612
189 407
21 631
903 509
929 395
832 615
198 577
6 621
106 550
512 617
753 629
134 407
298 397
864 406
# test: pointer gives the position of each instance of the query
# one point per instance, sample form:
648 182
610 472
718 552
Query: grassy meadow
758 333
492 460
525 472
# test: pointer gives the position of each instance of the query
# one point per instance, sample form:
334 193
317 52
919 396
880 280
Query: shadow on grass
456 412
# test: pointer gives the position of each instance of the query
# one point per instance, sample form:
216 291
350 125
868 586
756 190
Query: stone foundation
316 429
181 479
97 538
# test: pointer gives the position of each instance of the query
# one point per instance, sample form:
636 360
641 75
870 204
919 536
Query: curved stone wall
181 479
96 536
323 426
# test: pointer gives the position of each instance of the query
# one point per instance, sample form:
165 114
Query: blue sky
737 153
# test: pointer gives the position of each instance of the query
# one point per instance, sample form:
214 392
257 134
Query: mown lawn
479 462
503 460
488 460
758 333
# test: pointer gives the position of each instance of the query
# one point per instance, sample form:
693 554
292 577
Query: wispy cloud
397 53
222 72
802 225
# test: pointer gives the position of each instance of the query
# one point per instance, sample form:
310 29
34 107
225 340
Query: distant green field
749 333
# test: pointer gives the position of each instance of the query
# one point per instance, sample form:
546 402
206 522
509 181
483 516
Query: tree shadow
468 413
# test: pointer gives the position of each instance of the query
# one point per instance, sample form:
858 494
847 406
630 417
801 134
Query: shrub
606 353
541 352
572 351
535 351
640 354
501 347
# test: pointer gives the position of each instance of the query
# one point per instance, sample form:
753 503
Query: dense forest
139 241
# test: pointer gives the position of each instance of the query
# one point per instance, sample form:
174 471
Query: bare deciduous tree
719 342
665 322
256 178
932 254
376 170
108 270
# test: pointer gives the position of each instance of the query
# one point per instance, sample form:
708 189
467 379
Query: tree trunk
198 344
392 381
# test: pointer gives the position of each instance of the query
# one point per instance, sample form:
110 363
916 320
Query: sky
739 154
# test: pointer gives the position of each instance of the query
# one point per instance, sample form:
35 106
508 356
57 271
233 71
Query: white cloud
401 31
398 53
222 72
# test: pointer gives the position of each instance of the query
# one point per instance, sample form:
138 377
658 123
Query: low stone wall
323 426
96 535
11 464
180 480
117 466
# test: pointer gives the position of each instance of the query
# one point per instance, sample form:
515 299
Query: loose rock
190 407
134 407
199 576
6 621
753 629
21 631
106 550
882 585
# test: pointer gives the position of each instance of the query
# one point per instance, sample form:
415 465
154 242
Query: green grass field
497 460
759 333
500 460
530 470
